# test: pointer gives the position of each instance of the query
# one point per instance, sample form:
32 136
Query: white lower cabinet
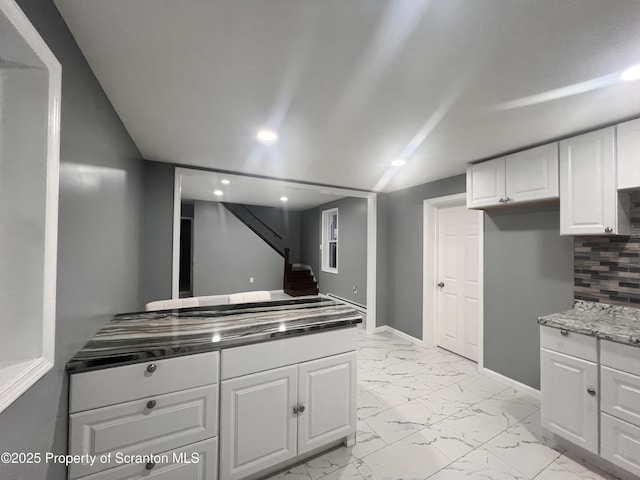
272 416
575 399
569 398
620 406
125 417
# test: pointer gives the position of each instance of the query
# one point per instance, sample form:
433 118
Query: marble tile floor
427 413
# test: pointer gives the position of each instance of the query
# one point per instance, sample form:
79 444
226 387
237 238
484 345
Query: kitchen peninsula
242 389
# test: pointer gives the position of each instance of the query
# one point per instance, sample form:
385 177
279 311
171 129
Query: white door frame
372 232
430 271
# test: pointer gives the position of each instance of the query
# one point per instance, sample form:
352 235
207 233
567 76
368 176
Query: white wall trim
177 214
372 232
521 387
430 270
18 375
398 333
372 245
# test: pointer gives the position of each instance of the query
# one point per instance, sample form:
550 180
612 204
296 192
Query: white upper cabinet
486 183
533 174
526 176
589 202
629 154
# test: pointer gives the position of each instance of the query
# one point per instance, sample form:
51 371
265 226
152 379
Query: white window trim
324 241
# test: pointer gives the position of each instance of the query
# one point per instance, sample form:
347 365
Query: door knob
441 284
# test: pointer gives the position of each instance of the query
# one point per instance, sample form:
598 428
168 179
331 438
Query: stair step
301 285
299 293
299 273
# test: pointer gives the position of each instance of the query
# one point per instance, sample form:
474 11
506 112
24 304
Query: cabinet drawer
174 420
620 394
620 443
620 356
194 462
569 343
259 357
120 384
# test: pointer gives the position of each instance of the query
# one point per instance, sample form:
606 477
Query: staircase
298 281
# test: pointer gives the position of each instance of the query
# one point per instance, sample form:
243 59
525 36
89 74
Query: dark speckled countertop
609 322
137 337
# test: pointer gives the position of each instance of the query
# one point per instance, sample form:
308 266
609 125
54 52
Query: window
329 244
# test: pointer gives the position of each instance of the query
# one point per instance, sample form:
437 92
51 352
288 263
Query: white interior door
459 280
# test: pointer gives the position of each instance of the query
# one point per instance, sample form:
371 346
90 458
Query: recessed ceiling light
217 193
224 181
631 73
283 199
398 162
267 136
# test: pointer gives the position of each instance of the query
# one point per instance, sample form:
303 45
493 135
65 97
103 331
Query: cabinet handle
152 368
591 391
441 284
151 404
564 332
608 229
150 465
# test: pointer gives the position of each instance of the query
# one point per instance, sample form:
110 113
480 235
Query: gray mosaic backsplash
607 269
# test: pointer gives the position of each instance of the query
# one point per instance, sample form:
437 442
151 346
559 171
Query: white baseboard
521 387
398 333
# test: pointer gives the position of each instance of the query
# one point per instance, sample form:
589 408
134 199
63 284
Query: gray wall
156 247
403 215
528 272
352 248
98 241
226 253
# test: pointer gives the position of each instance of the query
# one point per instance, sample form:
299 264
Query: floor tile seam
517 469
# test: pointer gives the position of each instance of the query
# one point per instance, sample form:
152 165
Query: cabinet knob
506 199
150 465
608 229
152 368
301 408
151 404
502 200
296 410
564 332
441 284
591 391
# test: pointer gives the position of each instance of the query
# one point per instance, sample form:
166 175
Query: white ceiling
199 185
352 84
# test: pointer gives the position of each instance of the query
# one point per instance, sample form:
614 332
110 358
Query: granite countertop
138 337
609 322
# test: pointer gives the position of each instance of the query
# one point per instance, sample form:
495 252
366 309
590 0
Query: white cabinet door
533 174
568 408
327 390
588 193
486 183
257 423
629 154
